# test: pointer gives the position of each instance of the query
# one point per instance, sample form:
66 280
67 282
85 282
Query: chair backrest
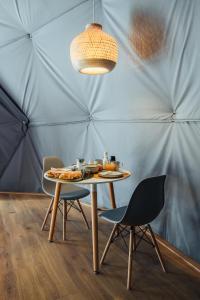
146 202
48 163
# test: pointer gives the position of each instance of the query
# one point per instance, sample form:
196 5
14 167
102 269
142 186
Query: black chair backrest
146 202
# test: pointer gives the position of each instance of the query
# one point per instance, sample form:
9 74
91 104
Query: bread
65 175
71 175
53 174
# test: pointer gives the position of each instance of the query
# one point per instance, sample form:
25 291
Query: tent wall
147 113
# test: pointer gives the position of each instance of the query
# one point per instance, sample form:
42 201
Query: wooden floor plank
34 269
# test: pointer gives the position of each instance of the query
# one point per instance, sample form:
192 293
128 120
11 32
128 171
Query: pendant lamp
93 51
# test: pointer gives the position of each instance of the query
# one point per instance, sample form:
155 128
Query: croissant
70 175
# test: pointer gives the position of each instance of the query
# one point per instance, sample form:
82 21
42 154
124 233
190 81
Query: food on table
53 174
71 175
100 167
65 175
58 169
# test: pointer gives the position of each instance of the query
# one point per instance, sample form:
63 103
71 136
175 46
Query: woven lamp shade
94 51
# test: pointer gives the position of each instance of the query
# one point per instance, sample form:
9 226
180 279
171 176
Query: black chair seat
114 215
73 195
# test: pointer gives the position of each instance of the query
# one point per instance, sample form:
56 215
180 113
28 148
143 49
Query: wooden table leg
94 228
54 211
112 195
64 219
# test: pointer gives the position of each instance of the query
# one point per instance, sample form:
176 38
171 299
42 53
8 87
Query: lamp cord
93 10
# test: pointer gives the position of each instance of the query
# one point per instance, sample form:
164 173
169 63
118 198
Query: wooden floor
33 269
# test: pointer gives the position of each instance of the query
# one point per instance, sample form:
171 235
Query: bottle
112 158
105 159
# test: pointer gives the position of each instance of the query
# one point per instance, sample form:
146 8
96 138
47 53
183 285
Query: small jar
79 163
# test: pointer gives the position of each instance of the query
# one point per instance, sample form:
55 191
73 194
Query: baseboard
25 193
184 258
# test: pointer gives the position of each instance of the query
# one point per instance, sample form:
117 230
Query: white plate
60 170
110 174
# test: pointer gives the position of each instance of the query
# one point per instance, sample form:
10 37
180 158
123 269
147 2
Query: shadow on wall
147 36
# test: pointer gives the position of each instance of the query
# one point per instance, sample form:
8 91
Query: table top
93 180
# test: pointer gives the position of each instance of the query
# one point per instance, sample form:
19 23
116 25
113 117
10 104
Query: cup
117 164
98 161
110 166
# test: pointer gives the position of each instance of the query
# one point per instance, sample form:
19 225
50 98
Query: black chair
144 206
69 196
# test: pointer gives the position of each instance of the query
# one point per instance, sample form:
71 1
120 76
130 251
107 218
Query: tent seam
59 16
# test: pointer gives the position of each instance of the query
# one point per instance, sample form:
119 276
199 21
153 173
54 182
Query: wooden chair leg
108 244
134 239
112 195
64 219
47 214
83 214
157 248
130 258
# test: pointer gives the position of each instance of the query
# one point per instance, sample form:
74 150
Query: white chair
69 196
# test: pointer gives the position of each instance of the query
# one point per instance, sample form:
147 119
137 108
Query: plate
73 180
65 175
110 174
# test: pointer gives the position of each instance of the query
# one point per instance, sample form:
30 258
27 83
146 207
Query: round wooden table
93 182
